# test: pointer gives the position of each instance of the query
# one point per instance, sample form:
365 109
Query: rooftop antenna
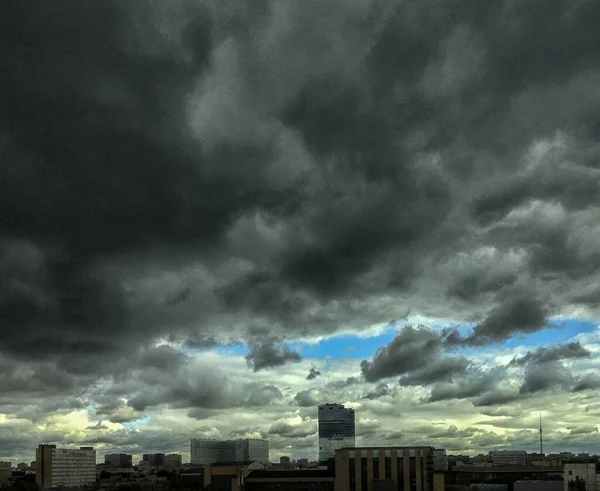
541 439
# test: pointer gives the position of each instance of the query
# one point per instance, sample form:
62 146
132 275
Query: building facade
205 451
5 471
509 457
336 429
390 468
586 472
118 460
65 467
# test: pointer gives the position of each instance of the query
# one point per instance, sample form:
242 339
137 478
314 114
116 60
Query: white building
586 472
65 467
509 457
204 451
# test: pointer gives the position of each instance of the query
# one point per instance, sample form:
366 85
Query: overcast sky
216 214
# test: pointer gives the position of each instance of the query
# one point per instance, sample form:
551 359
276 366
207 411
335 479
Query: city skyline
216 215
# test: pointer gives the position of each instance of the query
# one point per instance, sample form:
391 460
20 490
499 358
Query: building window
364 479
400 468
375 467
388 467
352 474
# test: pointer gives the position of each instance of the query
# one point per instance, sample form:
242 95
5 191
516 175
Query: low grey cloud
98 426
381 390
553 353
438 371
270 354
545 376
307 398
313 373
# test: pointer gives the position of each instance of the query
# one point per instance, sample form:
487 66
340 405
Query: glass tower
336 429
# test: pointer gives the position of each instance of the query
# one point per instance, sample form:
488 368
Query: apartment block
172 461
205 451
65 467
118 460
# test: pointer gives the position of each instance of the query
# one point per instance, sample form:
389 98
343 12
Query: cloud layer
198 176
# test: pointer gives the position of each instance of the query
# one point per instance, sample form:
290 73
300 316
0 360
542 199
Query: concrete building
65 467
336 429
586 472
389 468
172 461
205 451
118 460
509 457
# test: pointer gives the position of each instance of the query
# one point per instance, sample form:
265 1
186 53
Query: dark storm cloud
474 383
313 373
382 390
438 371
161 180
587 382
553 353
545 376
518 312
411 349
269 354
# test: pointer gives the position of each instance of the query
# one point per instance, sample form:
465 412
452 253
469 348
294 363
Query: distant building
284 460
386 468
336 429
154 459
509 457
65 467
205 451
5 471
229 476
172 461
118 460
440 460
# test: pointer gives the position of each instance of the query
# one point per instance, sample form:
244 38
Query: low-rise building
229 476
370 468
118 460
293 480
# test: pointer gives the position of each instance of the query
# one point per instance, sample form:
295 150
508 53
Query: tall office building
118 459
204 451
336 429
64 467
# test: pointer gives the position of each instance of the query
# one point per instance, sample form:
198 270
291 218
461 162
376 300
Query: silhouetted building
118 460
336 429
292 480
172 461
154 459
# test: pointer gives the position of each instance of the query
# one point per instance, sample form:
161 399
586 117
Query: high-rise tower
336 429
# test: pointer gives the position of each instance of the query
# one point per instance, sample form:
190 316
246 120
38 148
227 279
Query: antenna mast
541 439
